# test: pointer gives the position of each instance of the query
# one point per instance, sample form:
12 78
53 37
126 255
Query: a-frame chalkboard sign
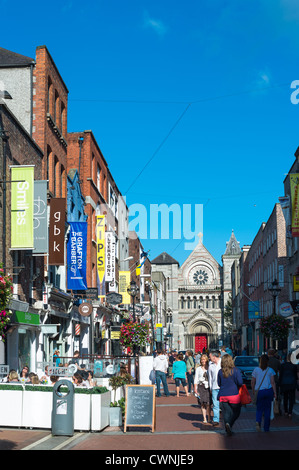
140 408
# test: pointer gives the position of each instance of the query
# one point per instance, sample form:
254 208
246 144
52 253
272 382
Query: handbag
244 395
255 393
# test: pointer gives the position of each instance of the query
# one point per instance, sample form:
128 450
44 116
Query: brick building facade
260 264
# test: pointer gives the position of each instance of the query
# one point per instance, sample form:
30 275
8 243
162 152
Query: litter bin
63 409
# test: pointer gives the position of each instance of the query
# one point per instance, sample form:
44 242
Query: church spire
232 246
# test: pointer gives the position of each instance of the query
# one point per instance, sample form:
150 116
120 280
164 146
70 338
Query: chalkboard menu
140 406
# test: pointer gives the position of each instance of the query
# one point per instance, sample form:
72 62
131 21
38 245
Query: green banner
22 192
26 317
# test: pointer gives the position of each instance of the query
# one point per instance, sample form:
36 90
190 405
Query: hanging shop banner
110 261
40 223
285 204
56 231
76 256
100 238
22 207
253 310
124 283
294 183
296 283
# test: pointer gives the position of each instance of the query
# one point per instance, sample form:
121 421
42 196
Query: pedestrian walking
263 383
288 382
214 367
201 387
190 365
160 366
179 372
229 380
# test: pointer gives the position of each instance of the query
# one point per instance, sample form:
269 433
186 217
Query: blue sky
195 93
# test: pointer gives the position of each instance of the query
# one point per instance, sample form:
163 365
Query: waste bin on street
63 409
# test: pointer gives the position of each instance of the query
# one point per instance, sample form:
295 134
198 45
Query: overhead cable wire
159 147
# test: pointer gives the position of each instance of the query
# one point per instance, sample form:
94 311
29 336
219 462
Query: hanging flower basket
5 295
275 327
134 334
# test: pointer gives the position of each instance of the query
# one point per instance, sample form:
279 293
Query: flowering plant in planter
275 327
134 334
5 295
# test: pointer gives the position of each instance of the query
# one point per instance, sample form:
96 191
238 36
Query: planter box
11 409
33 409
115 416
82 404
37 409
100 406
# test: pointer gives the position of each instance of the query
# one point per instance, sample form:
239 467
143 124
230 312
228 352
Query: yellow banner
22 193
124 283
296 283
100 238
294 183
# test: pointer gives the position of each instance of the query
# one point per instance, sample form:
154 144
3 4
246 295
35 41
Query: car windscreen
247 361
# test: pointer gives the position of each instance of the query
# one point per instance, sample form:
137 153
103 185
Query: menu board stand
140 410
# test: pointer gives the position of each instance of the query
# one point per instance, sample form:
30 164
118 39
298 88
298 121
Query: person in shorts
179 374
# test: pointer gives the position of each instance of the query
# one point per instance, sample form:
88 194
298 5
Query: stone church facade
200 289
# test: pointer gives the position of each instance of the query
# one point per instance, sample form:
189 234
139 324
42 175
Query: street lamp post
133 291
275 290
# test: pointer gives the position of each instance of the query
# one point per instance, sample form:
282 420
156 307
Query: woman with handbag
264 389
201 388
229 381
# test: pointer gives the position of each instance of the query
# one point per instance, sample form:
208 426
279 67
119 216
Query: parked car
246 364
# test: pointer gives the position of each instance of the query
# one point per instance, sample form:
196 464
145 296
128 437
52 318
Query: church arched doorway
201 342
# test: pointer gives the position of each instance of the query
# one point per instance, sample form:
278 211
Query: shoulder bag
255 393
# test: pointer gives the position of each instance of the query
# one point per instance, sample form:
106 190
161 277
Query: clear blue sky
133 66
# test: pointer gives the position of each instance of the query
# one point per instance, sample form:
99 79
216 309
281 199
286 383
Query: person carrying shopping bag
229 380
264 388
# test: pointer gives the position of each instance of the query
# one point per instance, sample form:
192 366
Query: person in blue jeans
263 382
214 367
160 366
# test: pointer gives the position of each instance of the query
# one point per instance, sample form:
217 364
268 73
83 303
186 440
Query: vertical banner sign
110 261
76 256
40 222
253 310
22 207
124 283
100 238
294 183
285 204
56 231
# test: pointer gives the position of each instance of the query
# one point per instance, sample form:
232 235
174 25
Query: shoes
215 423
258 427
228 429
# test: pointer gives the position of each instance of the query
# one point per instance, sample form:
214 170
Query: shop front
23 340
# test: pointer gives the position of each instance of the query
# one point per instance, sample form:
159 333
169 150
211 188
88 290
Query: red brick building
264 263
50 102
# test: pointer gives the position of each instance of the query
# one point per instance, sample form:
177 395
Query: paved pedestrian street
179 428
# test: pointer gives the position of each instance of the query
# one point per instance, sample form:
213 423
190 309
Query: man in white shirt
214 367
160 365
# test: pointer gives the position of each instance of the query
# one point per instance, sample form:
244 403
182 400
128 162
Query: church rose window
200 277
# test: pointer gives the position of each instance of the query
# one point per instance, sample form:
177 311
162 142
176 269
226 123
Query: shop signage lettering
40 224
100 238
22 207
76 256
56 231
27 317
